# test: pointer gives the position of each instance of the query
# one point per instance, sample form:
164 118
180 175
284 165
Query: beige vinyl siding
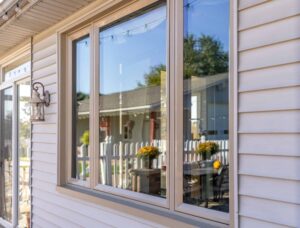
269 113
50 208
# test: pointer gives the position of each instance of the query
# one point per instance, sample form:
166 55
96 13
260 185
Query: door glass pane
6 106
81 108
205 152
24 153
133 103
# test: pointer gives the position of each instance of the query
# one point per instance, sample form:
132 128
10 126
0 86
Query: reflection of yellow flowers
148 152
207 148
217 164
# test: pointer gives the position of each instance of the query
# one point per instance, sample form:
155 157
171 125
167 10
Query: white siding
51 209
269 113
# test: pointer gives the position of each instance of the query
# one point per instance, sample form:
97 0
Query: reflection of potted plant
207 149
147 154
85 140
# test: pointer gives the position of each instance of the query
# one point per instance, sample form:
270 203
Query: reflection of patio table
202 174
146 181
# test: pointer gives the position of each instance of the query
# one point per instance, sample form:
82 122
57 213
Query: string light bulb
17 9
5 17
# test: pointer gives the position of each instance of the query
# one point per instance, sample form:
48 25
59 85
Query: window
147 89
81 109
133 101
205 102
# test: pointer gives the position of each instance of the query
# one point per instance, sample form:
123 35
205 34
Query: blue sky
129 49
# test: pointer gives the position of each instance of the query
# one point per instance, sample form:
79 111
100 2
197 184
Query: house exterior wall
269 113
268 133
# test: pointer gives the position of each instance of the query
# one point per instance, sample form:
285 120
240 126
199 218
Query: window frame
111 12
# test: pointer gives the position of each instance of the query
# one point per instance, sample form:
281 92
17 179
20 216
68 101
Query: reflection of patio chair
221 183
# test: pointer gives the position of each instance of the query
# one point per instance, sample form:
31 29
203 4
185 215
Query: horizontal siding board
269 12
272 211
270 166
44 167
44 138
50 70
273 77
255 223
243 4
40 222
51 215
268 34
44 176
42 63
48 148
275 99
47 80
47 42
44 157
270 122
44 128
270 144
270 188
44 53
279 54
87 211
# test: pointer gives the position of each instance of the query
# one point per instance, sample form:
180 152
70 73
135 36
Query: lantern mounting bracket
45 94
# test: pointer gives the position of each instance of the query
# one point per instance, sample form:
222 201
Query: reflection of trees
203 56
82 96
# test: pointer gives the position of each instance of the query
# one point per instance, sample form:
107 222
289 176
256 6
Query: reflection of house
141 110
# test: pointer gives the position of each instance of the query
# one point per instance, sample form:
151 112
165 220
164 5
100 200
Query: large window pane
24 153
133 99
81 108
6 106
205 154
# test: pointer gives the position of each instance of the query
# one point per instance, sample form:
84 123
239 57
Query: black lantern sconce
38 102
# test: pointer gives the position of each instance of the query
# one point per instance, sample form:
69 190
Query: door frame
15 153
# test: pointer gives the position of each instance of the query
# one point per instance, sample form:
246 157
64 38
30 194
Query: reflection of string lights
189 4
135 30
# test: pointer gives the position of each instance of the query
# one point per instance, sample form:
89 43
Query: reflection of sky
208 17
128 51
83 65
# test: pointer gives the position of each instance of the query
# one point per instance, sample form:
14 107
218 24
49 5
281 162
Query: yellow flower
148 152
217 164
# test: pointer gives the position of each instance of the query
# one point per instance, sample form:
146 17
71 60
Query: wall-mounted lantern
38 102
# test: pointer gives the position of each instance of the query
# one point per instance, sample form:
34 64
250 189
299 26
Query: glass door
6 162
15 131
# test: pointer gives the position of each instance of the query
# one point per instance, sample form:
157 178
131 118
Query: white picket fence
117 159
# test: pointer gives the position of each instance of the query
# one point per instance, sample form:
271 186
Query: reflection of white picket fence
117 159
190 154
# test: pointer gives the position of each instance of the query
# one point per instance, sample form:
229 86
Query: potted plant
147 154
207 149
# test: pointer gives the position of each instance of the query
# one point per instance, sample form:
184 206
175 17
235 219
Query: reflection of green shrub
87 173
85 138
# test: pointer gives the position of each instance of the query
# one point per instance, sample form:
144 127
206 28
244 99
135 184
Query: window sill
137 209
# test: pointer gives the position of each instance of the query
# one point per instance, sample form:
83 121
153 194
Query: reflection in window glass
81 109
133 103
24 153
19 68
6 154
205 154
